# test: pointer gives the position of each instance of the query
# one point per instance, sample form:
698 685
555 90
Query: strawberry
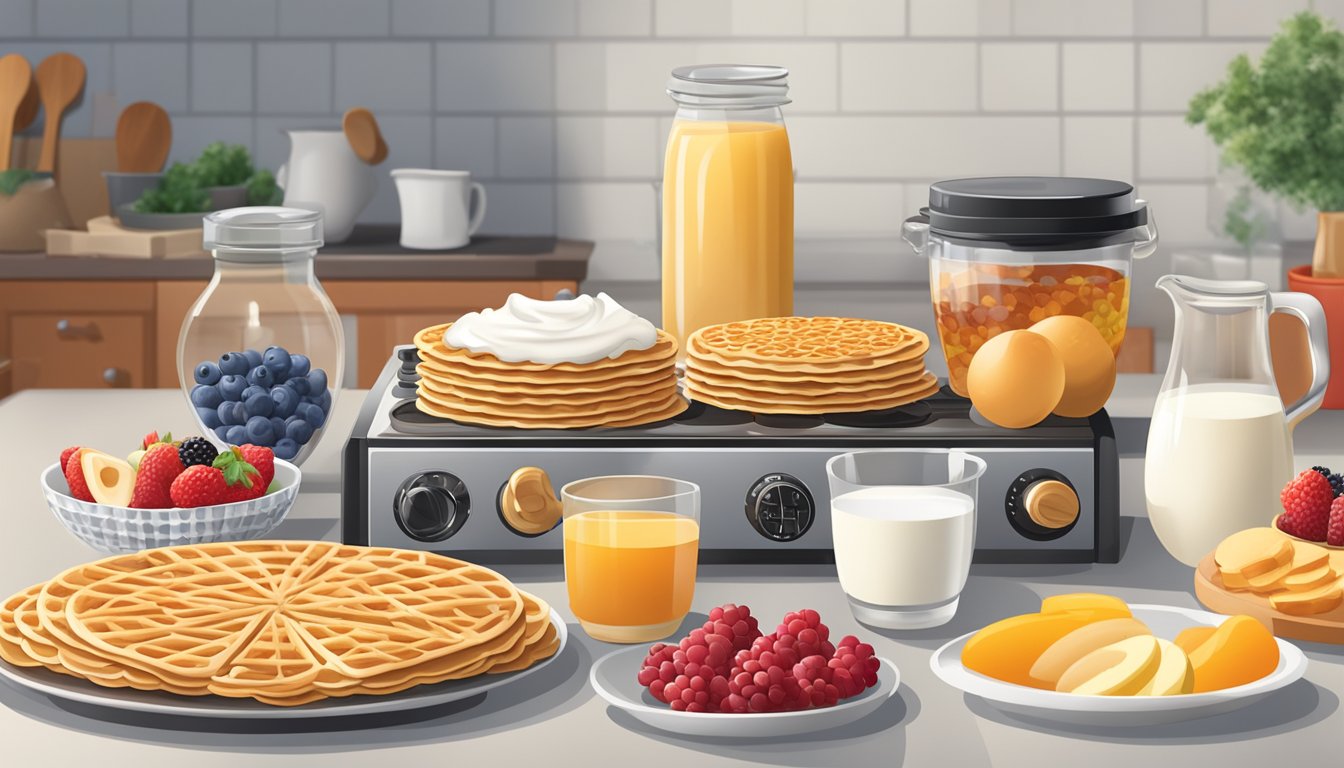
159 467
153 438
65 455
1334 535
242 480
263 459
74 477
198 486
1306 506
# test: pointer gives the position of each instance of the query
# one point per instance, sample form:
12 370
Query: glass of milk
903 523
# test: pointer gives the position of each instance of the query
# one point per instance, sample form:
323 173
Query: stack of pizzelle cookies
285 623
807 365
637 387
1296 577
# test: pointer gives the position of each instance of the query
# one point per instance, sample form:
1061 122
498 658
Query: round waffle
927 386
510 417
771 342
430 344
285 623
745 386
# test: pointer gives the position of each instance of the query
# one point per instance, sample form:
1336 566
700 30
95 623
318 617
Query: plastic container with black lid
1006 252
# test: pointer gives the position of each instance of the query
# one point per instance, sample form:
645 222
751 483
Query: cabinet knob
112 376
68 329
62 326
564 294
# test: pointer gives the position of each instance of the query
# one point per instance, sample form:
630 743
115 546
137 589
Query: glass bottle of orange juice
727 198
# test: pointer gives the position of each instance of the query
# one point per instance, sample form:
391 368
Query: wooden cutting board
1325 627
107 238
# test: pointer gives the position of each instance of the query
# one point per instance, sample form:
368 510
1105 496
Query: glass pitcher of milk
1220 446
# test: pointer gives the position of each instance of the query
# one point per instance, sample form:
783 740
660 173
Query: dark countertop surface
371 253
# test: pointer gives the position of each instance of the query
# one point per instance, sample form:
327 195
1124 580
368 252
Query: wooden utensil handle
46 162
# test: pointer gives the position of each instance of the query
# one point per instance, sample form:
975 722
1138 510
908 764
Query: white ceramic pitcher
324 174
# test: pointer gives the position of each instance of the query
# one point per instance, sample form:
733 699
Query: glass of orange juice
631 547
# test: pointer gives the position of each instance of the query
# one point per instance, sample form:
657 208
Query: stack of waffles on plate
807 365
532 364
282 622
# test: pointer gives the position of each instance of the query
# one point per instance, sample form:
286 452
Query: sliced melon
110 479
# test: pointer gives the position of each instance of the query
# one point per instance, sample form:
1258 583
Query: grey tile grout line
1134 115
1059 105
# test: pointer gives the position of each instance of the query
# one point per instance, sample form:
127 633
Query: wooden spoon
60 79
144 136
27 108
16 77
361 130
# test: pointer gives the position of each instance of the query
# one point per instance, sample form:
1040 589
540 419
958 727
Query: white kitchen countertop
555 718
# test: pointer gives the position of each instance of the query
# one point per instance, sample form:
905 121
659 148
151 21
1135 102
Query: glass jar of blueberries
261 352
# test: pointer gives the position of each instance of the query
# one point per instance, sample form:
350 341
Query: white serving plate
163 703
614 678
1075 709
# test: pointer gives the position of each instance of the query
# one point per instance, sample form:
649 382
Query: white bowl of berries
169 493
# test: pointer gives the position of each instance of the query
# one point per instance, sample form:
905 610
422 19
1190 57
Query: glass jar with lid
727 198
261 352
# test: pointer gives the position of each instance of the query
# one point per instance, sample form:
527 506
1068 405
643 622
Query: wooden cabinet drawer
73 350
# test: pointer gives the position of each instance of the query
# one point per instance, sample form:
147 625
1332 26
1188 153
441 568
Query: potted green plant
224 170
222 177
1281 120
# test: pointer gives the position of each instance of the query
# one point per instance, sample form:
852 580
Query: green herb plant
180 191
12 179
262 189
185 186
224 165
1281 120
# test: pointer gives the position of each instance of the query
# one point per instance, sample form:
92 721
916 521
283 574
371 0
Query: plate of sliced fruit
728 679
1093 660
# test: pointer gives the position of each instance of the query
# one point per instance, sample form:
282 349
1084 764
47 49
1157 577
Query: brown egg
1016 379
1089 363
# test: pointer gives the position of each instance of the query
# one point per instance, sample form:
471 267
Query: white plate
1164 621
163 703
614 678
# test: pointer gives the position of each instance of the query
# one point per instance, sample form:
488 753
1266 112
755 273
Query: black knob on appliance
431 506
780 507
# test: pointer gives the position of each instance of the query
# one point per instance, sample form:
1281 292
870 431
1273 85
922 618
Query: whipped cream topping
579 330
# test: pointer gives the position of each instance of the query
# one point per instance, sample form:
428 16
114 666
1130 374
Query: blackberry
1336 480
196 450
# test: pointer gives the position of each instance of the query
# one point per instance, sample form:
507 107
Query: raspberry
1334 536
1306 506
816 681
812 637
734 623
854 667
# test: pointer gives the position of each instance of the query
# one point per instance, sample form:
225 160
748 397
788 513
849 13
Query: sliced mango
1307 580
1007 649
1241 650
1119 669
1067 650
1174 675
1250 553
1308 556
1319 600
1191 638
1085 601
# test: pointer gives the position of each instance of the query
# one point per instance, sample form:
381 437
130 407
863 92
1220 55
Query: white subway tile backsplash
535 18
79 18
159 18
272 143
902 147
847 209
151 72
636 75
1182 212
616 18
768 18
856 18
221 77
580 77
961 18
16 18
392 76
1171 149
505 77
1019 77
607 147
1168 18
410 139
90 111
333 18
441 18
465 144
1099 147
605 211
908 77
1171 73
294 78
192 134
812 70
236 18
1255 18
692 18
514 208
1073 18
1099 77
527 147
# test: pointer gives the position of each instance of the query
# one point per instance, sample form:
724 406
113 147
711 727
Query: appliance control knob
780 507
431 506
1042 504
527 502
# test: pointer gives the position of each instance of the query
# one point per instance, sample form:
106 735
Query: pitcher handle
915 231
1145 247
1308 310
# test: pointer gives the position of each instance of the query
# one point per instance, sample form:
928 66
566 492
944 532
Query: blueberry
259 404
277 427
261 376
277 359
286 400
207 373
252 391
222 432
206 396
225 413
209 417
317 380
299 365
286 449
234 363
259 430
299 385
324 401
237 435
231 387
312 414
299 431
253 358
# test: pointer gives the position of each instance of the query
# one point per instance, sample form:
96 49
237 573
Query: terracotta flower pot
1330 292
